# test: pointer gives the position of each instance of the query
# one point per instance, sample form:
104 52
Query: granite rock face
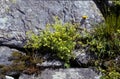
19 16
64 74
5 53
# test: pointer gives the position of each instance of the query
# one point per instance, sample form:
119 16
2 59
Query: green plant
116 2
104 40
111 70
111 75
57 38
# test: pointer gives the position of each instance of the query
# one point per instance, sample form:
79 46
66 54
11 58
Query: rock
50 61
8 77
117 60
19 16
6 62
72 73
5 53
110 3
83 59
14 74
51 64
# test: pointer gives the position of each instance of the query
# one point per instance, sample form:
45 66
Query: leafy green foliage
116 2
57 38
104 40
111 75
111 70
107 37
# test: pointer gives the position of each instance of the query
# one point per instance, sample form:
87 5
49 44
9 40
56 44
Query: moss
18 66
2 76
5 69
21 63
1 66
16 54
20 57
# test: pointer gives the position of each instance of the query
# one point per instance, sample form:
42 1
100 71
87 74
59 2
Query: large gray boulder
81 73
19 16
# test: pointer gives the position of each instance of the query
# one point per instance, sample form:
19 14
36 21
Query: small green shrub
103 40
57 38
111 75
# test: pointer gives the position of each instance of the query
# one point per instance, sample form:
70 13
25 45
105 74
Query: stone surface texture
19 16
78 73
51 63
83 58
5 53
